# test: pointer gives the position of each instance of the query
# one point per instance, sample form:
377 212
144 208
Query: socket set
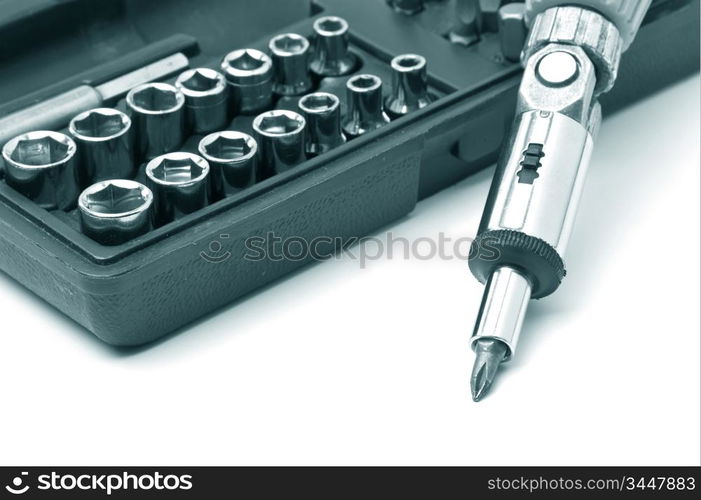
176 137
130 188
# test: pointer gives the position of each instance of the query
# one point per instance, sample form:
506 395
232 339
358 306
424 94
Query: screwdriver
571 56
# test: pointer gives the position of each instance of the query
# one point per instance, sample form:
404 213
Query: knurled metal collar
587 29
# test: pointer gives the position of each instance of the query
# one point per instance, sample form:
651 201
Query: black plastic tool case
139 291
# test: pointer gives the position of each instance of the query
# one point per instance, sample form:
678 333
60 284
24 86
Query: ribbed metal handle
626 15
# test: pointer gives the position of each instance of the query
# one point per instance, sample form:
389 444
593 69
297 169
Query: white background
338 365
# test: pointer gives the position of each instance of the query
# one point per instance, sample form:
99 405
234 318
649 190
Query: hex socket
43 166
180 186
365 109
158 119
233 161
115 211
290 55
249 73
322 112
331 55
206 99
409 85
281 140
105 144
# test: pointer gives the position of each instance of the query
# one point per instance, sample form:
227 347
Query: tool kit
146 144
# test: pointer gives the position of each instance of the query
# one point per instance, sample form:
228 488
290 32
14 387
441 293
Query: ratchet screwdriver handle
571 56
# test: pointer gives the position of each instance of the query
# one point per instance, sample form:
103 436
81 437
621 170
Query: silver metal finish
626 15
206 99
571 56
180 184
503 309
556 116
281 139
290 55
105 144
512 30
489 353
468 14
115 211
409 85
365 109
158 118
590 31
322 111
42 165
55 113
546 207
233 161
331 55
249 73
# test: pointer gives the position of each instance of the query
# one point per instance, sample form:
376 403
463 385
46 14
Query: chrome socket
105 144
233 161
206 99
409 85
43 166
322 112
365 110
290 55
180 186
158 118
331 55
249 73
281 139
115 211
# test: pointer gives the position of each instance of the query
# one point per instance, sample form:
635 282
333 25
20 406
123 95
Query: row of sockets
105 144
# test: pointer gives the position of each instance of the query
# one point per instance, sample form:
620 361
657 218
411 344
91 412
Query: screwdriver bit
468 25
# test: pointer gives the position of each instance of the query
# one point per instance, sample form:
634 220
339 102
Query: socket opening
318 102
200 80
248 60
155 98
115 198
279 123
408 62
39 149
330 26
228 146
100 123
364 83
177 168
289 44
245 63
